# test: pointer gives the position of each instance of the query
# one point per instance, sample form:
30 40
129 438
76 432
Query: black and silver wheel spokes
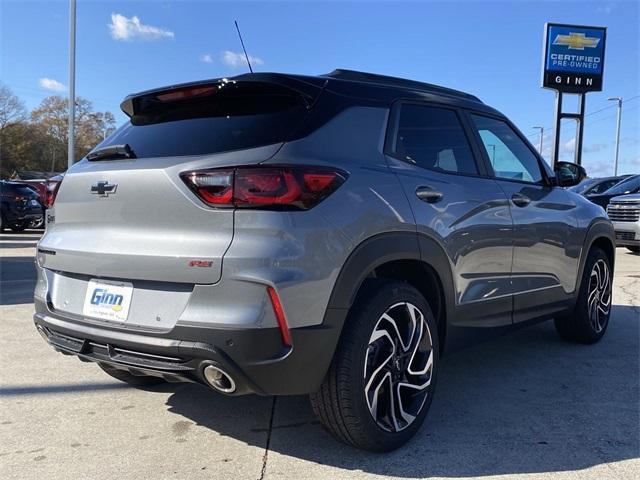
599 295
398 367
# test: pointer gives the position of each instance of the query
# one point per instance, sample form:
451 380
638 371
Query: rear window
210 119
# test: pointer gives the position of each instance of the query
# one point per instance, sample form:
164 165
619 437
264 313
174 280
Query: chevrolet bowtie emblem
103 188
576 41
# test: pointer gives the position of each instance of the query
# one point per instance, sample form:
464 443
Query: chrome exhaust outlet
219 379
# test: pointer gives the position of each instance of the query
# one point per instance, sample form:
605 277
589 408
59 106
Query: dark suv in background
285 234
19 206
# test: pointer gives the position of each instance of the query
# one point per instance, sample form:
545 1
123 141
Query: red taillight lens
52 191
264 187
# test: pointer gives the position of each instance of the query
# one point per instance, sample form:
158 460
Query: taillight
52 191
264 187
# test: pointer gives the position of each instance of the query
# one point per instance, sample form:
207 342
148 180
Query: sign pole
556 130
580 128
72 83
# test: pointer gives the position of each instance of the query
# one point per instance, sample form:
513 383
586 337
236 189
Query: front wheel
590 318
382 378
18 226
634 249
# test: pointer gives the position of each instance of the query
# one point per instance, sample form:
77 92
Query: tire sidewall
365 315
582 307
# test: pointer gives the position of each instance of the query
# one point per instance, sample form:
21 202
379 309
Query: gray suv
285 234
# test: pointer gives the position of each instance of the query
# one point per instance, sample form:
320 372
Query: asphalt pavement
522 405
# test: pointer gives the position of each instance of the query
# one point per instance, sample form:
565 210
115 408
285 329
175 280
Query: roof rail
356 76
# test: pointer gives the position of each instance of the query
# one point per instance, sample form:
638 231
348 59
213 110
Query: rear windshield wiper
111 152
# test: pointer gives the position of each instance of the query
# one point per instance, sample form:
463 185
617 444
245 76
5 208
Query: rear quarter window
432 138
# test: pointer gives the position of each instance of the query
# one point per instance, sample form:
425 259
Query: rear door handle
428 194
520 200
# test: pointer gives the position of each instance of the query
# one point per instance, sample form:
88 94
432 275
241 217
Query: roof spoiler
309 88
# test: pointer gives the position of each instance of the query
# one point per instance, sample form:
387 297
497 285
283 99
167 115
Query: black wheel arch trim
599 228
387 247
376 251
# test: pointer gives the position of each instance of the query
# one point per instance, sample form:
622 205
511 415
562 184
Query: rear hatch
124 213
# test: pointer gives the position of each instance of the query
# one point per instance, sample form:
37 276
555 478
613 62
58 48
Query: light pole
493 156
541 137
615 164
72 83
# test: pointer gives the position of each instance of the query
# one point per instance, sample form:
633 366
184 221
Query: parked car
19 206
285 234
624 213
594 186
630 185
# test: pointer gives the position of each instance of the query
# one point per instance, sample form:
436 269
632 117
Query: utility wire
551 129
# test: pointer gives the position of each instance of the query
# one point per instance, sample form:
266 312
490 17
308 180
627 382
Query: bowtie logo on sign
576 41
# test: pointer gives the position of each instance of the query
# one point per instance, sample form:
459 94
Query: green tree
52 116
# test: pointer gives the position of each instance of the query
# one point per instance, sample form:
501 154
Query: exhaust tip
219 379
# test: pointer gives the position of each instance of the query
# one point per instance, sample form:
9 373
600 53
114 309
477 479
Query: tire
348 400
18 227
133 380
588 325
634 249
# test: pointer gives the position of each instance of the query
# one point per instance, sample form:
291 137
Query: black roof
403 83
377 88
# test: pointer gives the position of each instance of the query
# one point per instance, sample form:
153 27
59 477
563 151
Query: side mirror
569 174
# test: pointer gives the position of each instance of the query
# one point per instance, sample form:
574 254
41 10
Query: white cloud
52 85
594 147
123 28
570 145
599 168
607 8
206 58
237 59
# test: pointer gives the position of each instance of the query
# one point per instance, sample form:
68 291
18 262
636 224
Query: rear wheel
37 223
590 318
634 249
382 378
133 380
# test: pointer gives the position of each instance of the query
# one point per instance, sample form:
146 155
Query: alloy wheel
599 296
398 367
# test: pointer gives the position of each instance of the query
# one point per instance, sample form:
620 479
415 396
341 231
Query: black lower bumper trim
256 359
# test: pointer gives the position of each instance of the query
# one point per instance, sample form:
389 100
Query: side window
432 138
509 155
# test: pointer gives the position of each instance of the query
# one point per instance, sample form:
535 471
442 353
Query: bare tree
11 108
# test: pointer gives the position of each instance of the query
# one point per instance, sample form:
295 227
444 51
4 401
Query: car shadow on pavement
526 402
17 280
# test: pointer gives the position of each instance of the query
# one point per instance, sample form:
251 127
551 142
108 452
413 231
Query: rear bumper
256 359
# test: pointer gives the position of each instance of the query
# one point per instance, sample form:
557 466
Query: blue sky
490 49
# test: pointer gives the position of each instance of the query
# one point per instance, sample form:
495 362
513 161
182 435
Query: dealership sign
573 60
